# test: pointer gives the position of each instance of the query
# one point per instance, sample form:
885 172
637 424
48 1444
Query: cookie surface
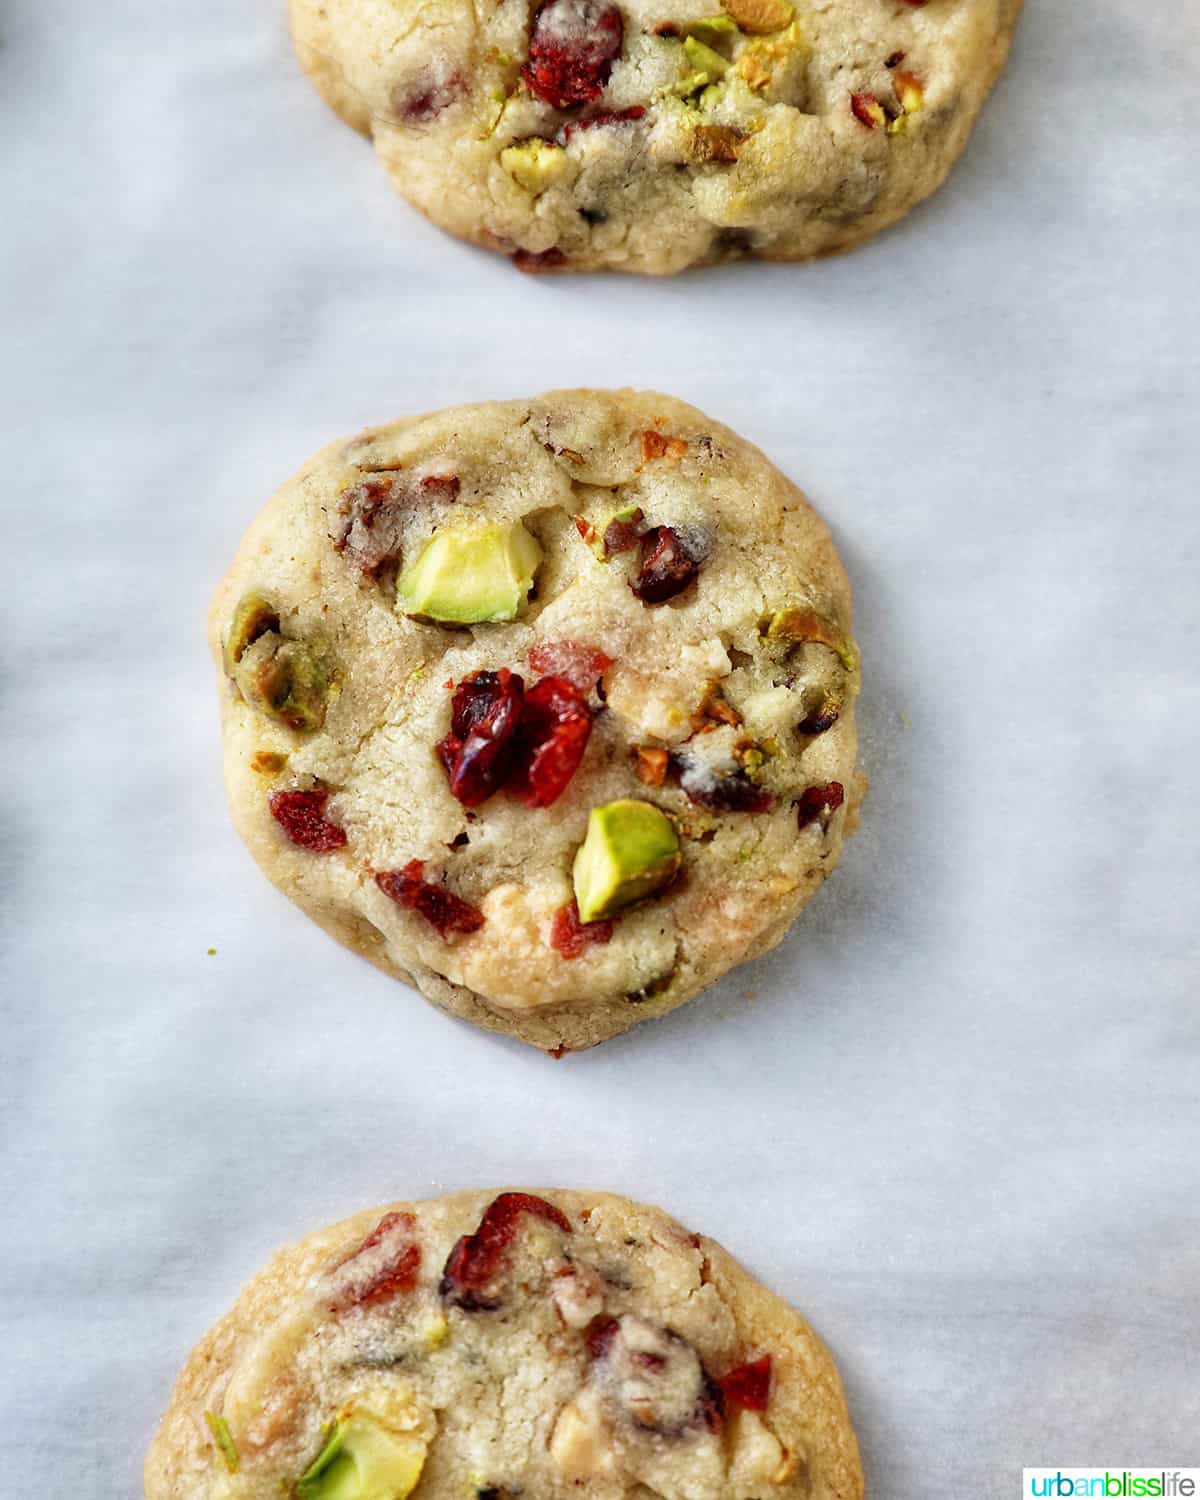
669 688
478 1346
646 135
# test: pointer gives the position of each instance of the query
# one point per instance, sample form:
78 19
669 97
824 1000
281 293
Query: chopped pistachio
253 617
219 1427
437 1333
703 59
535 164
798 625
287 680
268 762
709 28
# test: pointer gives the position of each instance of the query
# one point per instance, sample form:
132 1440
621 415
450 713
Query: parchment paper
955 1117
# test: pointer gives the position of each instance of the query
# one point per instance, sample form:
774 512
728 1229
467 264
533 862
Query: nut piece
910 91
758 1458
759 16
578 1295
253 617
579 1444
268 762
651 765
654 444
535 164
286 680
794 624
716 143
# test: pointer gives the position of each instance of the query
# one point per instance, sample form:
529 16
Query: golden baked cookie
652 135
478 1347
544 706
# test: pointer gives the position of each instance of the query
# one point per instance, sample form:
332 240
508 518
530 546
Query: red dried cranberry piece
580 665
373 515
484 718
572 47
423 99
712 1412
821 719
441 486
605 117
620 536
600 1335
867 110
534 262
554 734
441 908
815 801
666 568
730 791
570 937
398 1274
478 1260
301 815
375 511
654 1376
749 1386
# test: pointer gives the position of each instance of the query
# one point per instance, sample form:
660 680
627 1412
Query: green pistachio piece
631 850
702 59
253 617
289 681
363 1460
466 575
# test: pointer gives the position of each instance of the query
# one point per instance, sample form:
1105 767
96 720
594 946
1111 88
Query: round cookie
537 1345
652 135
544 706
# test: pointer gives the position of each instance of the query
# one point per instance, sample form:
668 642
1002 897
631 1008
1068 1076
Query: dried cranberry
373 517
605 117
600 1335
554 734
652 1374
570 937
484 718
475 1265
534 262
397 1274
749 1386
666 568
423 99
572 47
867 110
578 664
712 1406
821 718
441 486
620 536
815 801
441 908
728 791
375 513
301 815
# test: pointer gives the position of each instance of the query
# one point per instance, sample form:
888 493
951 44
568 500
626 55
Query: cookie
537 1345
652 135
544 706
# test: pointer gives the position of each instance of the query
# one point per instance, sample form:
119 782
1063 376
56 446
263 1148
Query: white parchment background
955 1117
